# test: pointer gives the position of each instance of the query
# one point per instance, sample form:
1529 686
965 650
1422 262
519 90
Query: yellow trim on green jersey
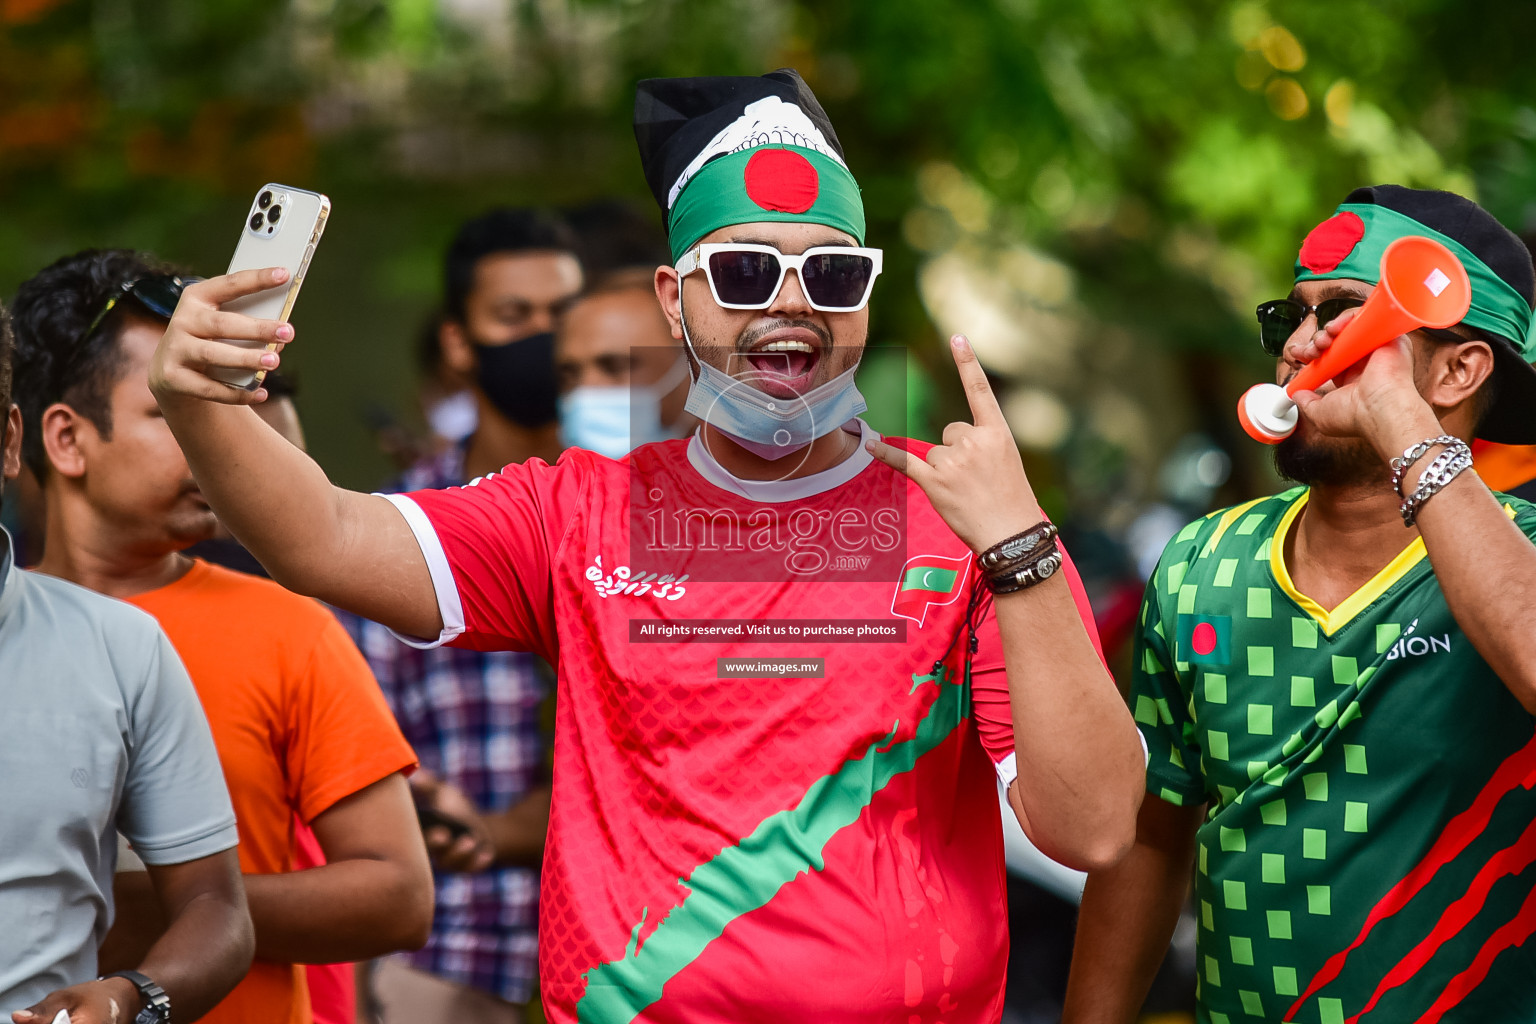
1355 603
1331 765
1228 517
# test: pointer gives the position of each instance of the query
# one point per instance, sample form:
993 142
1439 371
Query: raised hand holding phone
975 479
205 343
281 229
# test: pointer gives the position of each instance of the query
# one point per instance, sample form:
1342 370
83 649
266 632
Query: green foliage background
1098 190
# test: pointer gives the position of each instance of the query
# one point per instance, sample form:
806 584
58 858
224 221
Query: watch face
156 1008
157 1011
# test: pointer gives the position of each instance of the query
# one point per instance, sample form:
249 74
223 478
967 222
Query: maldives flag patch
929 580
1204 640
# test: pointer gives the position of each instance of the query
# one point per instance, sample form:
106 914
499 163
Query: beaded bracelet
1446 467
1037 571
1413 454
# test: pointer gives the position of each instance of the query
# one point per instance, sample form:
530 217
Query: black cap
675 118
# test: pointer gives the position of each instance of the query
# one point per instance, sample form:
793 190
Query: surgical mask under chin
766 425
614 421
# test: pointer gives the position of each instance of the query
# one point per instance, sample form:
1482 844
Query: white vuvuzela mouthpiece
1267 413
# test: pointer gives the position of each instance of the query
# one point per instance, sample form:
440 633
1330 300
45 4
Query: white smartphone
281 230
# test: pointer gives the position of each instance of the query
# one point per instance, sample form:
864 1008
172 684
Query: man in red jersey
785 697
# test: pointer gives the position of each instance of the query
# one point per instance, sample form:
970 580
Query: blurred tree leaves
1167 154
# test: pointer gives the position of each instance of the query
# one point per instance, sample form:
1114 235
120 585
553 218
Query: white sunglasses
833 278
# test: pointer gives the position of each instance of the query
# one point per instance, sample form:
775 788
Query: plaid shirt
473 720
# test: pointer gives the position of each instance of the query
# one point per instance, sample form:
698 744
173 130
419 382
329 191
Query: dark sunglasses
834 278
157 293
1279 319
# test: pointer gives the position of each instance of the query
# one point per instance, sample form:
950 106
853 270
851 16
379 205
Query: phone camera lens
274 213
256 222
264 200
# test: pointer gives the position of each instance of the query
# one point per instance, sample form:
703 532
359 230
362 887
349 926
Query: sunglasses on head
1279 319
833 278
157 293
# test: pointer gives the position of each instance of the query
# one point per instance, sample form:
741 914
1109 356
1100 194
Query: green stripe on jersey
746 876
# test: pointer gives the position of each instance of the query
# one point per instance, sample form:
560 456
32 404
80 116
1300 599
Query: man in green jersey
1339 708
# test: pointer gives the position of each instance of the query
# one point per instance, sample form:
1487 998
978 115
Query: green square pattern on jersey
1337 752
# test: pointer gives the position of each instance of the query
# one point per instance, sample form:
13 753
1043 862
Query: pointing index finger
978 392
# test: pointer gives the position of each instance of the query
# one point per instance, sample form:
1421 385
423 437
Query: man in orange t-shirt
300 726
332 989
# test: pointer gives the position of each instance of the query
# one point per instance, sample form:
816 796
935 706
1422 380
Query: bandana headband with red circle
1350 243
779 184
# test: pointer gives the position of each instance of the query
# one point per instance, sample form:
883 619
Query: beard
732 357
1327 461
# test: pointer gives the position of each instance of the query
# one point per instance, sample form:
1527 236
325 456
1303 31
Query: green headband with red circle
765 183
1350 243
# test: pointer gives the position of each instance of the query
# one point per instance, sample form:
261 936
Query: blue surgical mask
614 421
766 425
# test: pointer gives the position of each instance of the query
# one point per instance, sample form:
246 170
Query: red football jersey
734 839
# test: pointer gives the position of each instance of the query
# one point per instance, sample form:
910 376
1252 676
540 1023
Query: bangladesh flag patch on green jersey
1205 639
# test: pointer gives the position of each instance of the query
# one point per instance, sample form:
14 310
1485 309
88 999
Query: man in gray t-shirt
102 732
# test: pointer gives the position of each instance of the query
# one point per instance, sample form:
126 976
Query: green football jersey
1369 847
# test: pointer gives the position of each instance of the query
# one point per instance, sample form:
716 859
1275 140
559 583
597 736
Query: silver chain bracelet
1411 455
1446 467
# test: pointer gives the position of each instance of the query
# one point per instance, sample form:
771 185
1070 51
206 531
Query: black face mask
518 378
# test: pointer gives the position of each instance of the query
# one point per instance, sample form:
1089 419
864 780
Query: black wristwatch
157 1005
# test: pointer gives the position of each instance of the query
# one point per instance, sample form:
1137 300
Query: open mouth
784 362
